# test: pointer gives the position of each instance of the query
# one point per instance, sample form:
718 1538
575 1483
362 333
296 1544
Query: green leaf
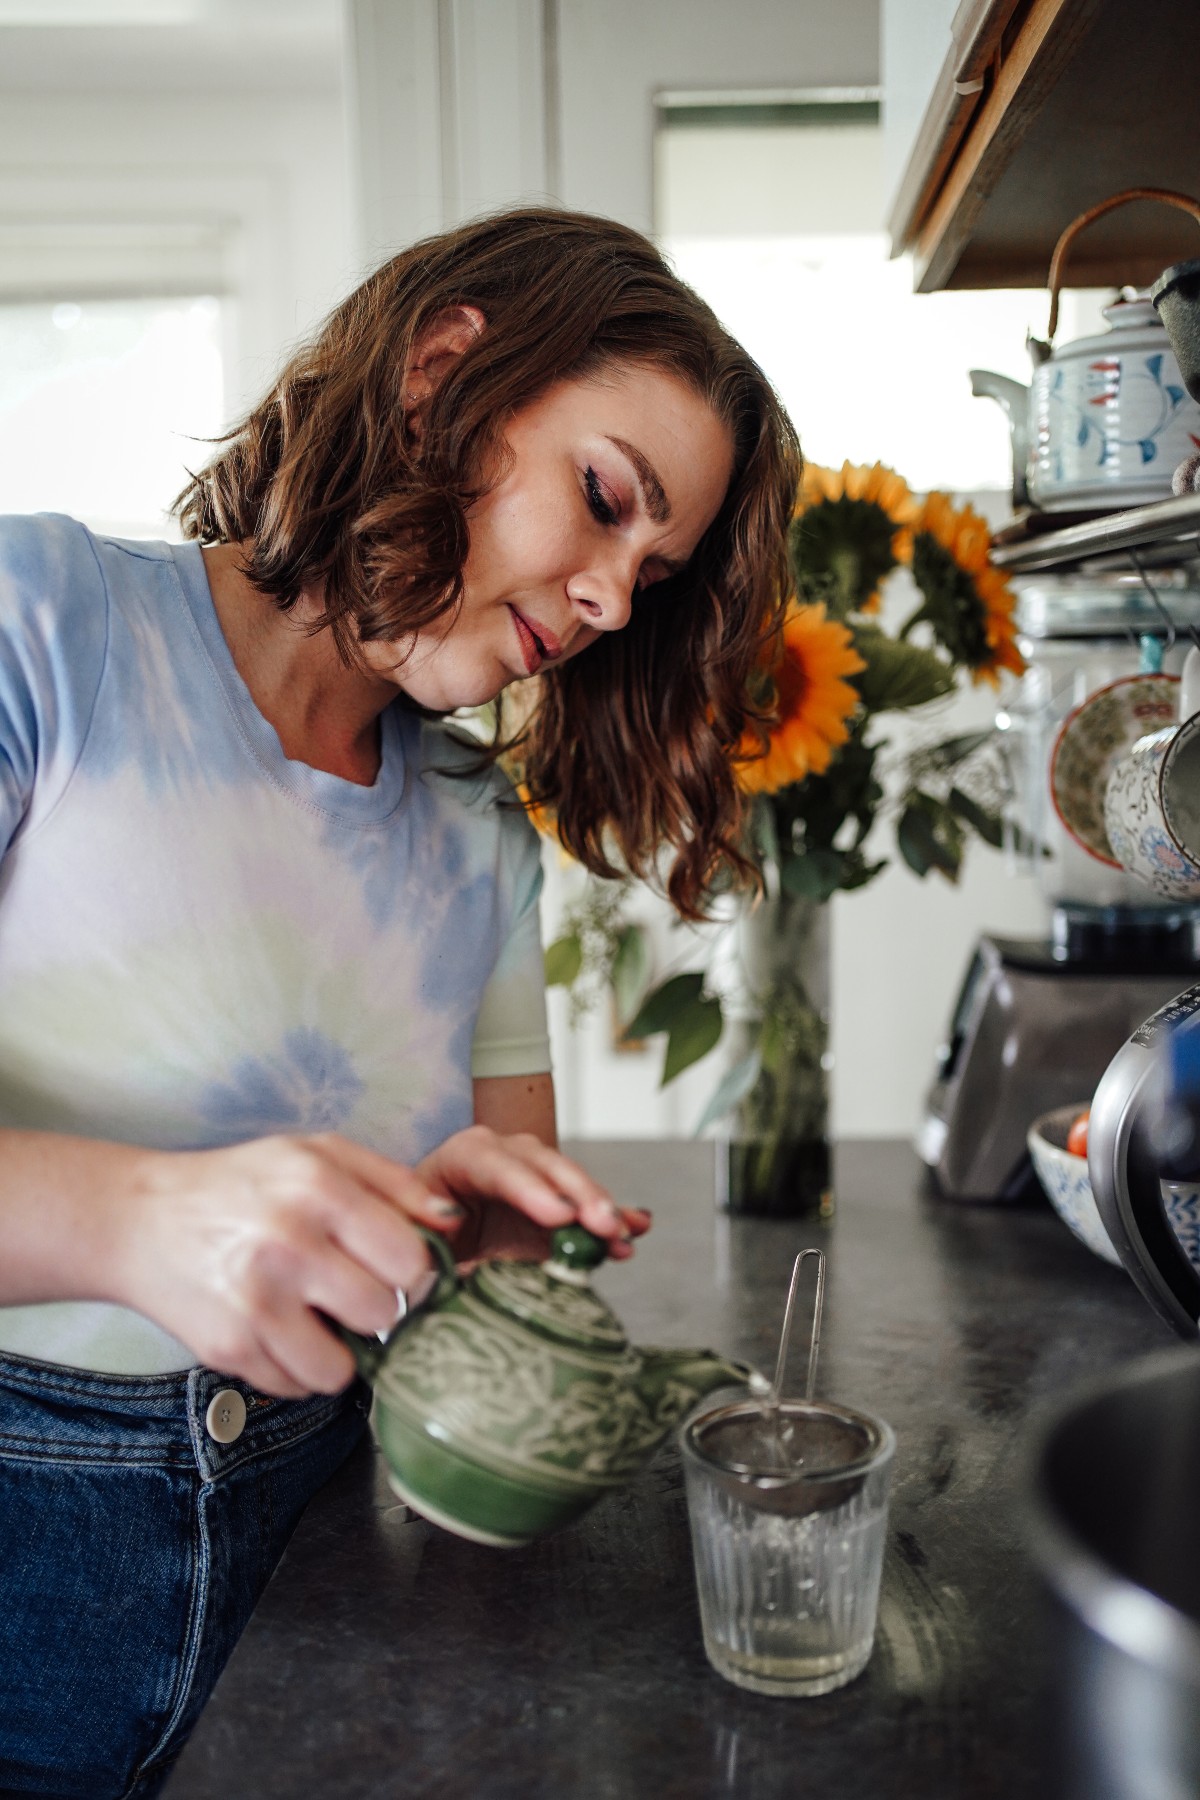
733 1086
930 837
914 836
692 1036
898 675
664 1005
989 827
857 871
630 967
813 875
563 961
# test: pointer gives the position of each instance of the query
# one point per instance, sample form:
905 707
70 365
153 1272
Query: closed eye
601 507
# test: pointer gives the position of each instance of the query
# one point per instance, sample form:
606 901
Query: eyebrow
653 492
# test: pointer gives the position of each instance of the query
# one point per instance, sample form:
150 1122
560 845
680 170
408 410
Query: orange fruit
1077 1136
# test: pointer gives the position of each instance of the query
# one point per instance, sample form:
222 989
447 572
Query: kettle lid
555 1298
1132 310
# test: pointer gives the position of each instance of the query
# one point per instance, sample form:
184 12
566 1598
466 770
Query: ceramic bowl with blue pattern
1064 1176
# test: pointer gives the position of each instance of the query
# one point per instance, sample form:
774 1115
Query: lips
537 644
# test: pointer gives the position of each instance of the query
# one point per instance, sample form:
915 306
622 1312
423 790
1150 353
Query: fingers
401 1186
529 1175
245 1247
306 1352
373 1207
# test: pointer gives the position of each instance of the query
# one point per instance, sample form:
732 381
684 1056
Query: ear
435 353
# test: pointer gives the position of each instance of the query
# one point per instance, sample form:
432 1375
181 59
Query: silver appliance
1145 1132
1035 1025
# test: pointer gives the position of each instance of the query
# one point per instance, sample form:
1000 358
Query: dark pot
1176 294
1116 1535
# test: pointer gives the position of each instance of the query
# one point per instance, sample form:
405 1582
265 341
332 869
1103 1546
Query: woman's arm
517 1103
235 1251
525 1104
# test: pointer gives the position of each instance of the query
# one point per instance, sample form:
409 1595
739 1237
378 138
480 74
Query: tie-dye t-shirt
202 941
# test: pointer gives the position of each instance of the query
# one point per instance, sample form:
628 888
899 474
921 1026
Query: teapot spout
671 1381
1013 396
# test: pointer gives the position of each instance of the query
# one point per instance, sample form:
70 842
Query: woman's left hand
515 1191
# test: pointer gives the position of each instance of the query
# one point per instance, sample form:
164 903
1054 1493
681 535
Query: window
774 213
104 405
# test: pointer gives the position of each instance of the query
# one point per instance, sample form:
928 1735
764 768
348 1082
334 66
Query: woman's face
610 485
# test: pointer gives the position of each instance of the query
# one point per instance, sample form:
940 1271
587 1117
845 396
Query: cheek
518 535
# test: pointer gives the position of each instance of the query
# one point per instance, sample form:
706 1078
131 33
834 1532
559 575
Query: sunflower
966 602
812 700
850 529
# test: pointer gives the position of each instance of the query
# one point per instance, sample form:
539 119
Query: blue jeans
133 1548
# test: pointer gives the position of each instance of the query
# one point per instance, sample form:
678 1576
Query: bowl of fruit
1058 1147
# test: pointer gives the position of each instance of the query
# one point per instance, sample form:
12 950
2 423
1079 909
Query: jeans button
225 1419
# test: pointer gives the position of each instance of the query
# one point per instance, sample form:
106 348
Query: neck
324 713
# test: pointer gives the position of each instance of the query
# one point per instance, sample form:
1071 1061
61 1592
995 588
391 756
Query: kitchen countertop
391 1661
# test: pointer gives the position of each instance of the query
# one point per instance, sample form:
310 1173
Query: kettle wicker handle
1166 195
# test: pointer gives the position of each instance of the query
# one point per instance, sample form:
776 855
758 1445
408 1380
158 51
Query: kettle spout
1013 396
671 1381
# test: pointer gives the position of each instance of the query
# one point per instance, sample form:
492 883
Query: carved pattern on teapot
575 1310
529 1408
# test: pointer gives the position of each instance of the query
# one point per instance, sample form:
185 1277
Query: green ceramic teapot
511 1399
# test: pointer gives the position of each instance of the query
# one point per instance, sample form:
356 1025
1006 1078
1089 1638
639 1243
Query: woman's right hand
235 1251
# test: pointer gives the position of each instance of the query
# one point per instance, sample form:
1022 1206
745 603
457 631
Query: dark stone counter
390 1661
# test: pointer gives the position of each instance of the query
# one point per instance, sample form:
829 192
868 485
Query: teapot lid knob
576 1248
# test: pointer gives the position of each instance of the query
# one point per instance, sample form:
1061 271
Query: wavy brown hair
630 744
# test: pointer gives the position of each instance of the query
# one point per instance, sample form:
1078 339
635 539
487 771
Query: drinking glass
788 1514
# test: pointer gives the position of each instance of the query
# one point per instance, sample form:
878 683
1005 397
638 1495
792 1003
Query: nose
603 595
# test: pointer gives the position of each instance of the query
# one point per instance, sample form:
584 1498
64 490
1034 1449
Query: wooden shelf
1079 99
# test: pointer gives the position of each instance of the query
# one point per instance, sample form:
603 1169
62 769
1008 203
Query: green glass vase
774 1160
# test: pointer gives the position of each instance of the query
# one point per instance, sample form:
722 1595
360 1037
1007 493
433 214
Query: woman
269 962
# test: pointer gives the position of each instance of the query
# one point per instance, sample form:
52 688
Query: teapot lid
1132 309
555 1298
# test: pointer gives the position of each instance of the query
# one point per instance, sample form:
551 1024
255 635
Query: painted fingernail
447 1209
421 1289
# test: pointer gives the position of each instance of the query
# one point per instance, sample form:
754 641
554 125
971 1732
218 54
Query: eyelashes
607 514
600 506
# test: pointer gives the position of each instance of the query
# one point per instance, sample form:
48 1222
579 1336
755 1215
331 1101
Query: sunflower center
953 604
842 549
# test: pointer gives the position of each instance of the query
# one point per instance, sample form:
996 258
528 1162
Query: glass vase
775 1159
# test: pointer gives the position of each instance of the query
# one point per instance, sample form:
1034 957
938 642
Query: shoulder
451 754
54 565
53 597
44 555
457 763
